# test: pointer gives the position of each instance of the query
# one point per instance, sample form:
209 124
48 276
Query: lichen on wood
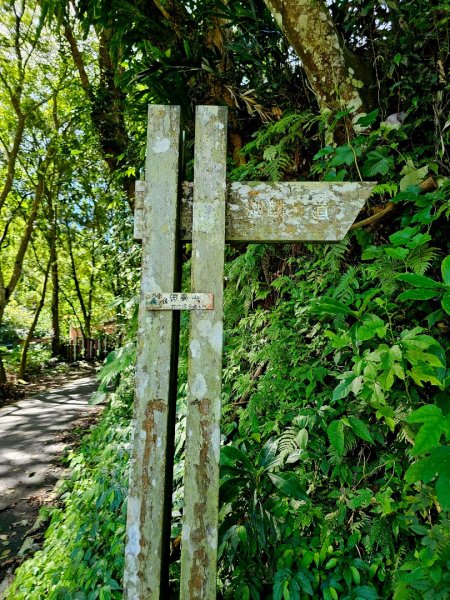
146 499
294 211
310 30
201 480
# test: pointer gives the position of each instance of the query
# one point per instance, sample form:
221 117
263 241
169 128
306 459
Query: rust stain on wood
201 481
156 221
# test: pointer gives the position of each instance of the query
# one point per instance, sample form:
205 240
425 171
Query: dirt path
31 439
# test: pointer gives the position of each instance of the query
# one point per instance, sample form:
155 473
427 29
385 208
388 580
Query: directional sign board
288 212
212 213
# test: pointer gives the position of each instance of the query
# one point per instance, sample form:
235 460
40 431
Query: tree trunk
52 241
56 330
107 106
26 344
85 310
7 290
333 72
3 377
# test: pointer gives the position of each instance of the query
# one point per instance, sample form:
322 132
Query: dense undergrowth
336 414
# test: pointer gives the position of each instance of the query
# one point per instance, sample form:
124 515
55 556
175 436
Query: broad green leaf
344 156
229 455
302 439
330 564
343 389
369 119
427 437
355 574
268 452
399 371
364 592
371 326
335 432
443 487
411 175
402 237
357 384
282 577
420 281
323 152
436 464
231 489
395 352
430 433
445 301
445 270
302 577
386 378
289 484
378 162
418 294
397 253
331 306
371 252
412 193
417 356
360 429
411 339
424 413
422 374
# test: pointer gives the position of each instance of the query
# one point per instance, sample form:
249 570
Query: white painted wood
201 479
180 301
139 197
146 499
285 212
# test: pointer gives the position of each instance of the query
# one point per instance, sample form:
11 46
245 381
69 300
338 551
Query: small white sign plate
179 301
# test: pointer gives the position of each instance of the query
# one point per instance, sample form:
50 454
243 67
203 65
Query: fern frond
403 591
380 537
287 441
384 270
421 258
344 291
335 254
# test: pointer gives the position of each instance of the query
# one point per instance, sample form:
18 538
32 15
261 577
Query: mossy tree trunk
334 73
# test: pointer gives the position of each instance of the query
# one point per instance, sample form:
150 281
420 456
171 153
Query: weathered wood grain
140 191
285 211
201 480
146 499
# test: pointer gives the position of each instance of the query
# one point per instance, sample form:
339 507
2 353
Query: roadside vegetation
335 464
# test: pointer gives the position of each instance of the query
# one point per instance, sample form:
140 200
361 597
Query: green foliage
83 552
352 348
335 459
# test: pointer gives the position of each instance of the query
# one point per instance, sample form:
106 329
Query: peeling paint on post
201 480
146 499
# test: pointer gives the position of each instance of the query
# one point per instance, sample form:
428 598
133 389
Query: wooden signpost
213 214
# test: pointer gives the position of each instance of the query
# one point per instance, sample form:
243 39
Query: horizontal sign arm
290 211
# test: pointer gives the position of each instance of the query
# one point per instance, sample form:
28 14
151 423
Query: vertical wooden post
201 480
154 372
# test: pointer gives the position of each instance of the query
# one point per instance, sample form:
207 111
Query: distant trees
54 189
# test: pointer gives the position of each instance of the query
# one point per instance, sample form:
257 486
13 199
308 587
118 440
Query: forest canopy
335 463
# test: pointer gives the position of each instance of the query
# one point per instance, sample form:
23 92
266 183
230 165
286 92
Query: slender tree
30 334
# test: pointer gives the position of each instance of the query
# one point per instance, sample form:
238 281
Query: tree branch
429 185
